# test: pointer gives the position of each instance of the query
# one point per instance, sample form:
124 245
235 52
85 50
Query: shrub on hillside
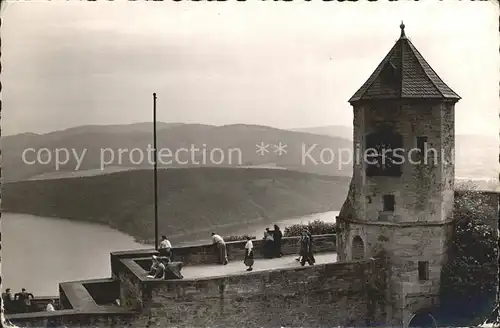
238 238
469 279
316 227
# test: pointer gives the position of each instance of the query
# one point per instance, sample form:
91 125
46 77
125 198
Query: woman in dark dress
305 249
311 246
268 244
277 234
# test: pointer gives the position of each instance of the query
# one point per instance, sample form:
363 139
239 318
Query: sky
282 64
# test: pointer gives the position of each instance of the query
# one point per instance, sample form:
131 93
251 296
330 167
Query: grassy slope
189 199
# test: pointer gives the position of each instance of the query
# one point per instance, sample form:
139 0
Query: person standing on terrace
165 247
50 306
24 298
8 301
249 254
51 322
221 248
269 248
277 235
311 244
305 249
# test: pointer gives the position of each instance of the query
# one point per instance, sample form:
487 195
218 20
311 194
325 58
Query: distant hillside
189 199
477 156
237 143
115 128
340 131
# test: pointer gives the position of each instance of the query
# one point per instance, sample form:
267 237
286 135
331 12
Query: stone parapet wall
132 291
73 318
64 303
336 294
103 292
328 295
115 258
39 303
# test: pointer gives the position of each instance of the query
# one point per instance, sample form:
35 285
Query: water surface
38 252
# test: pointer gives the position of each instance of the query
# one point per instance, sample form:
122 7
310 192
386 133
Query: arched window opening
423 320
358 249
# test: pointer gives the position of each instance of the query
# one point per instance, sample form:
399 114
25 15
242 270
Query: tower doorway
422 320
358 248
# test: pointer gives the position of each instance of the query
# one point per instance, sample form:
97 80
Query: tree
316 227
470 278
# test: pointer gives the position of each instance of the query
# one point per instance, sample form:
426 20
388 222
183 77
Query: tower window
421 141
381 156
389 203
426 155
423 270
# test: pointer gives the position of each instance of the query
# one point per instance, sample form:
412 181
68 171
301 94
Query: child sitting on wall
157 269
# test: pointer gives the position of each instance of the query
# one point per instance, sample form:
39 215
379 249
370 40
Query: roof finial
402 27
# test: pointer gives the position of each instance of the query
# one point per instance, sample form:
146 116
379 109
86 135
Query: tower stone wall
401 205
423 192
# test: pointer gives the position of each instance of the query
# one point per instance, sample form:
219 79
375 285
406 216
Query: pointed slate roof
404 73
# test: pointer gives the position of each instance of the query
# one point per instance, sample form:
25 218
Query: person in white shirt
249 254
165 247
221 248
50 322
50 306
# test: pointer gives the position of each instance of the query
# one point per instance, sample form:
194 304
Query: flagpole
155 169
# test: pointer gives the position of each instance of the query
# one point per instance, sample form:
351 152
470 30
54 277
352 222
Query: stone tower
401 195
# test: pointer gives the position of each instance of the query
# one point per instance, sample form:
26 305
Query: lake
38 252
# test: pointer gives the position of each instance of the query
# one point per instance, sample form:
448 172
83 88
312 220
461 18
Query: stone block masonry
423 192
73 319
329 295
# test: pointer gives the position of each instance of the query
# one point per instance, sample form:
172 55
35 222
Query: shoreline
234 226
177 236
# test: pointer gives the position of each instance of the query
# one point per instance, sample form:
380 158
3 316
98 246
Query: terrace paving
237 267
